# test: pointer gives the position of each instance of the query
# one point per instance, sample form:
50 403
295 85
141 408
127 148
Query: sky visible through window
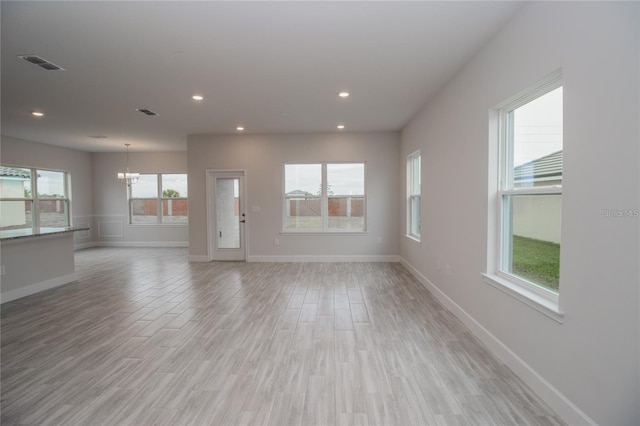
302 177
51 183
147 186
177 182
342 178
538 128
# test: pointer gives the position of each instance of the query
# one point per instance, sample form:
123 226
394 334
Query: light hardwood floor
145 337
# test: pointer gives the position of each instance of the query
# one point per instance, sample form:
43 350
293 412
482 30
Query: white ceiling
273 67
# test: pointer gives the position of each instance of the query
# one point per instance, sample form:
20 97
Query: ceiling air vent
146 111
42 63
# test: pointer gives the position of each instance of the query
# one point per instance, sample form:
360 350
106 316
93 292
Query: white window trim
35 199
537 297
324 203
415 237
159 203
531 294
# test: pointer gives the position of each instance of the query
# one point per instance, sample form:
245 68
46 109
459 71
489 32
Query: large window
33 198
324 197
530 189
413 196
159 199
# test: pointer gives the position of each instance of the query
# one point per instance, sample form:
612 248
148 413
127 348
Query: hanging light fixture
128 177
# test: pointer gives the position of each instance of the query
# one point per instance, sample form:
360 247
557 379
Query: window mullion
159 201
533 190
35 205
325 199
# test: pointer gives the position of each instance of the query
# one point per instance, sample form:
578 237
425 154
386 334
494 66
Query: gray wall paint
593 357
20 152
262 157
98 198
36 264
110 199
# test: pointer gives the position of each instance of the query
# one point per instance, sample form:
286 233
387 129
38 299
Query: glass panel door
226 218
228 213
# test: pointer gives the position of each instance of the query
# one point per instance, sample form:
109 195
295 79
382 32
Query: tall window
413 195
159 199
28 202
530 191
324 197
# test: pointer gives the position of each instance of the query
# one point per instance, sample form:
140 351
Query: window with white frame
159 198
413 195
530 189
33 198
324 197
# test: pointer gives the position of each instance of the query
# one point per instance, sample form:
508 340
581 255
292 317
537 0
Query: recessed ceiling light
343 94
340 126
239 128
37 113
197 97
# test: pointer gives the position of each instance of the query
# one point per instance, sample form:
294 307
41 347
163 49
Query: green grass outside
537 261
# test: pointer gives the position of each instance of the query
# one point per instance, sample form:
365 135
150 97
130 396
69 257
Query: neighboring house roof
11 172
298 193
543 168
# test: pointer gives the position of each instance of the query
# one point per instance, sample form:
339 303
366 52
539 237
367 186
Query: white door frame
213 252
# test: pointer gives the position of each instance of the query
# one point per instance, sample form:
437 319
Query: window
413 195
26 202
530 192
324 197
159 199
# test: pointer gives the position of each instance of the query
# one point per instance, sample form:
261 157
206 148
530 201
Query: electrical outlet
276 242
2 270
447 269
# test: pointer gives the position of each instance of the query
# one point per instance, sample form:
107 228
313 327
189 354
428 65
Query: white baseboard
545 390
152 244
323 258
83 246
198 258
37 287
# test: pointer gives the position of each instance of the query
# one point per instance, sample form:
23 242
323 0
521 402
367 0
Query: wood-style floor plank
145 337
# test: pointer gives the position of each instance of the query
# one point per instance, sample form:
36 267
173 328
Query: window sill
413 239
547 307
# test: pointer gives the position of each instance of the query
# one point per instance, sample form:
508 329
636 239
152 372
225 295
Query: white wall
20 152
587 367
110 200
263 156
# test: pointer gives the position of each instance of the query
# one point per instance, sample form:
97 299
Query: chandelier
128 177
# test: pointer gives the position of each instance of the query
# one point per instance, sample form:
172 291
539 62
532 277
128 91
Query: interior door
227 239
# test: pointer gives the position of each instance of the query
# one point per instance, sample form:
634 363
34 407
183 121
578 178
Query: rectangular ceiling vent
42 63
146 111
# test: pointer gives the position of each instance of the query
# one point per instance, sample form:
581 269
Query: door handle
242 221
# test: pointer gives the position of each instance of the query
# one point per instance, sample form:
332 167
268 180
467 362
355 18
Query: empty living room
320 213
